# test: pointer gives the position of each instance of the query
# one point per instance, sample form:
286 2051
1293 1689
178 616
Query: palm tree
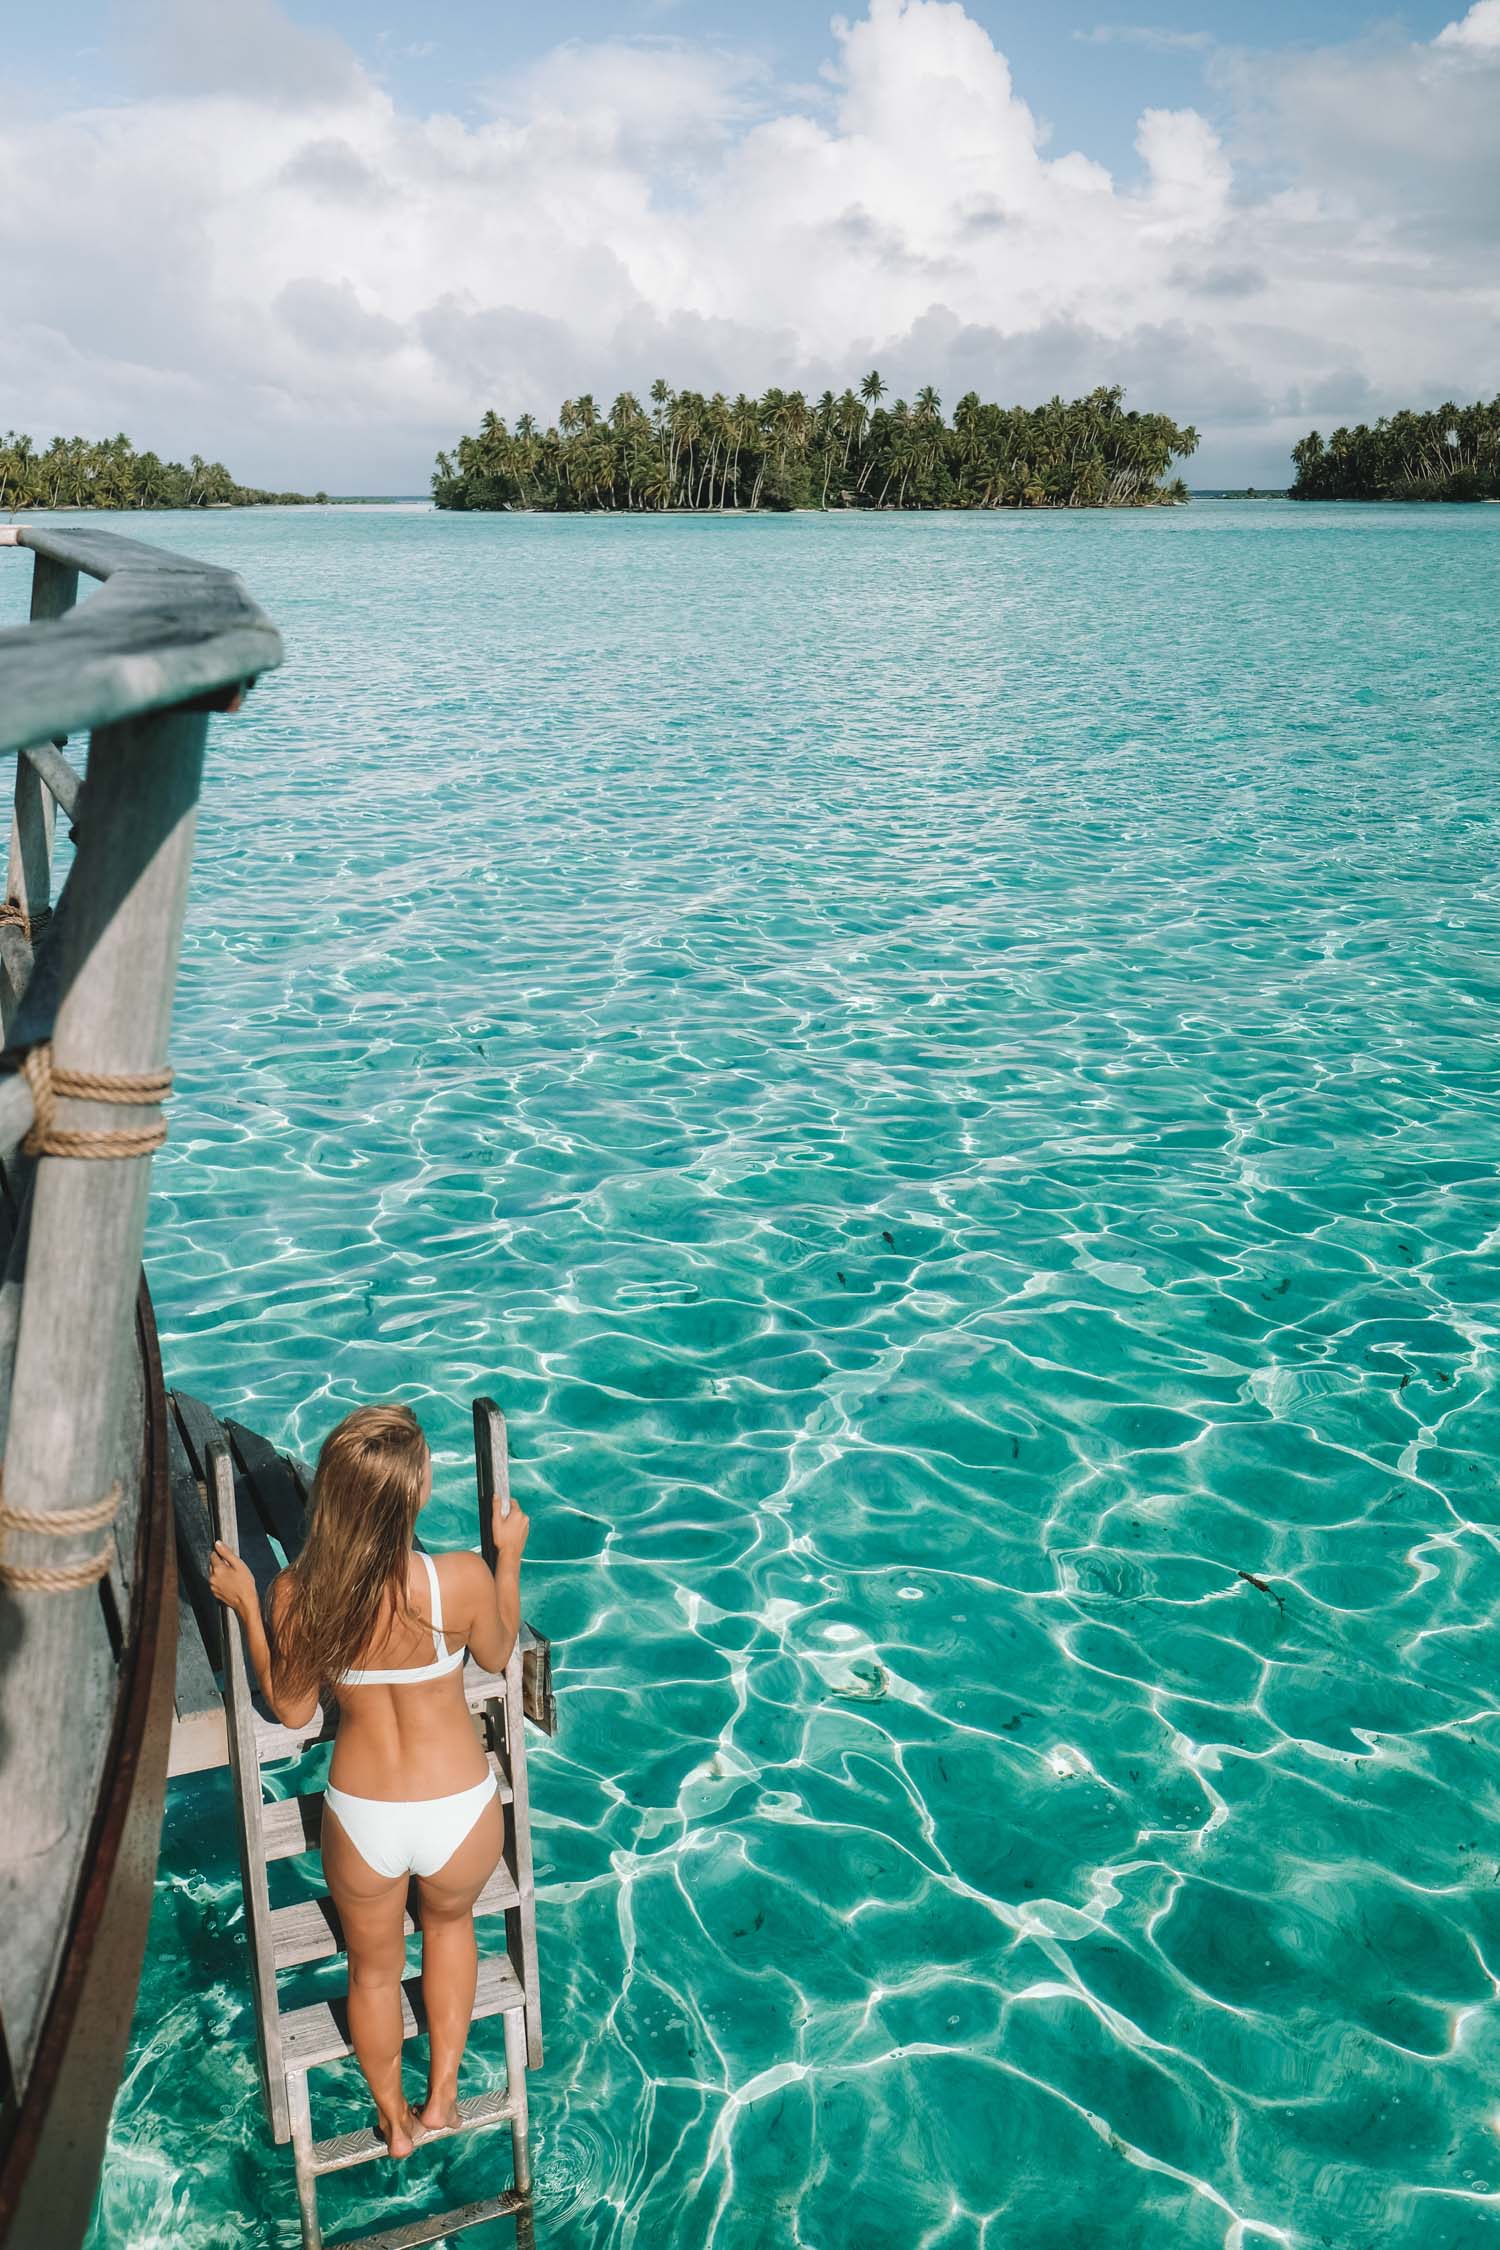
851 422
695 452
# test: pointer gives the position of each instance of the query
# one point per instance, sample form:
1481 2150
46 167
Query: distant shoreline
685 453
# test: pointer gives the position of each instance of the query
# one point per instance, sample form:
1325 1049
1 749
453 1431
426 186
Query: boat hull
49 2172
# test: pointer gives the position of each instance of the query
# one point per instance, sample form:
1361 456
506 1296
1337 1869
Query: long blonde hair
366 1492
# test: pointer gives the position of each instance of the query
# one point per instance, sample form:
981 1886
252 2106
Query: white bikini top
407 1675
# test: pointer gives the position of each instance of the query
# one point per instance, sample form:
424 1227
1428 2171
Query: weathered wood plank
272 1486
245 1767
195 1691
199 1428
29 878
15 1115
163 628
51 2148
36 1018
195 1540
200 1743
54 586
15 972
62 1445
128 1519
201 1432
49 764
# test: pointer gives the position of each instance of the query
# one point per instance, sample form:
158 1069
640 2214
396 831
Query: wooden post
63 1425
54 590
30 883
52 766
244 1764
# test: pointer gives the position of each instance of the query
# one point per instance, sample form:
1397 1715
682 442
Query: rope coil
14 914
143 1089
60 1523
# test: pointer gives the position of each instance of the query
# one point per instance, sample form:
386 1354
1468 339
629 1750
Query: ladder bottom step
495 2108
433 2230
315 2034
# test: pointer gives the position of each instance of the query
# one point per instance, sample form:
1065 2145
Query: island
1451 453
81 472
781 451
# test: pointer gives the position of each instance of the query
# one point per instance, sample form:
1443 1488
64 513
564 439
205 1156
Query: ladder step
295 1824
494 2108
309 1930
317 2034
433 2229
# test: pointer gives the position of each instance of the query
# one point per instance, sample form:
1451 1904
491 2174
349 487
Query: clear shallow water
944 1071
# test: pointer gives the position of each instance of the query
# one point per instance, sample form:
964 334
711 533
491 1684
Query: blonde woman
410 1791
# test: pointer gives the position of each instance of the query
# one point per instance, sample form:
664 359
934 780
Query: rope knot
138 1089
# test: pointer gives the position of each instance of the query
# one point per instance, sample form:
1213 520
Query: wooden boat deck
270 1491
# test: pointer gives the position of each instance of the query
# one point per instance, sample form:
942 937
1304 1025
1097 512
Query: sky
316 239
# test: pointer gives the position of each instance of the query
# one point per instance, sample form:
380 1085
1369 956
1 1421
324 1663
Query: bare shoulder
465 1581
278 1595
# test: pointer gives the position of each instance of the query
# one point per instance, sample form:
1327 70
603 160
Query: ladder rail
520 1919
244 1766
506 1712
291 2045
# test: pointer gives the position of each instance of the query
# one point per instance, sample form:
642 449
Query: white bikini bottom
395 1838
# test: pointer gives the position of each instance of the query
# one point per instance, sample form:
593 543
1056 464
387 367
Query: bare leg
371 1908
450 1957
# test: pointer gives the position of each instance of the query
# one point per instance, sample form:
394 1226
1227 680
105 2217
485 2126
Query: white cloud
266 258
1479 29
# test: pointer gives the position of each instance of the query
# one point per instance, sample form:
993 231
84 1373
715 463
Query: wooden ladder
293 2042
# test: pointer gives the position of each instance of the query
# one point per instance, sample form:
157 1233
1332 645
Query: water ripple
945 1072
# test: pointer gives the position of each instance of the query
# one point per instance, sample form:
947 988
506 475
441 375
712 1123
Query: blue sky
320 239
1088 69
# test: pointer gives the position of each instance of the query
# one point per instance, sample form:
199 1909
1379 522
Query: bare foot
401 2132
439 2113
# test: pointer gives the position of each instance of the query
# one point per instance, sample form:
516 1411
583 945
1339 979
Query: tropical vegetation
1453 453
108 473
852 450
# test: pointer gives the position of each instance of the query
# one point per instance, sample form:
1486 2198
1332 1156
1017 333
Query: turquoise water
944 1071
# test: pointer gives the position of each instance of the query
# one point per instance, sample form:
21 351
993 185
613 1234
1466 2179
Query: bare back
408 1740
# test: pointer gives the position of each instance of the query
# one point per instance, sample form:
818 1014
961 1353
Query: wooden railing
86 987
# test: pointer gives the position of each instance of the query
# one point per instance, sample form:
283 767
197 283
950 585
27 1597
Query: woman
410 1791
